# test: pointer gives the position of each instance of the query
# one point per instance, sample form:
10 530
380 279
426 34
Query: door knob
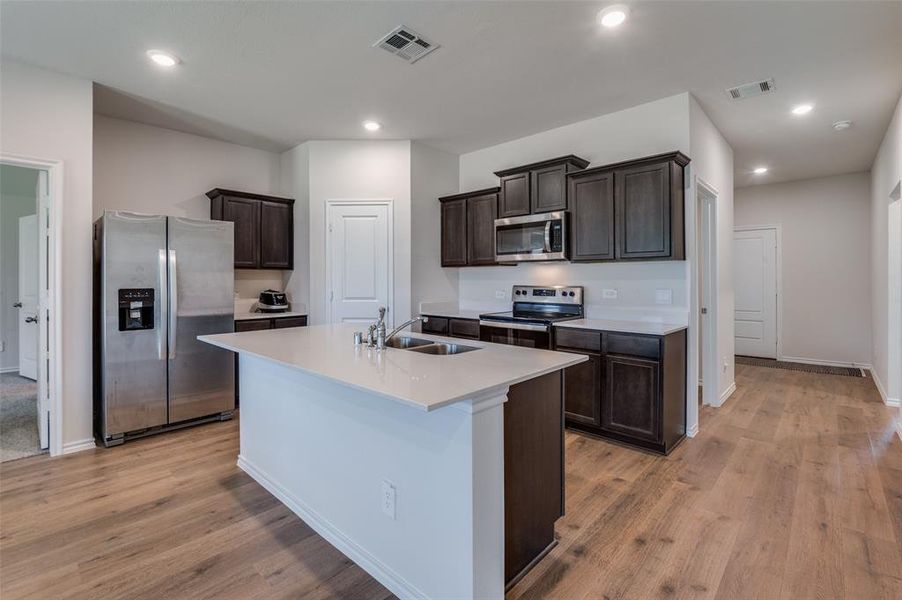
31 319
17 305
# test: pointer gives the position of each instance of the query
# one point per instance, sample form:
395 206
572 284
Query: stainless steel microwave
531 237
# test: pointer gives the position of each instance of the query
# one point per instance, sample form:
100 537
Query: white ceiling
273 74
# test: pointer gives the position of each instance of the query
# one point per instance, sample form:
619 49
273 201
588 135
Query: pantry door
755 281
358 260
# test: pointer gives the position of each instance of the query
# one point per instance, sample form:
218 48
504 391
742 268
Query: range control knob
572 294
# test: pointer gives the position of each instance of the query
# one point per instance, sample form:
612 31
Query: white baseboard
883 395
899 428
824 363
78 446
692 431
726 394
369 563
10 369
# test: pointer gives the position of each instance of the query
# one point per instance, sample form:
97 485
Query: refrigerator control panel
135 309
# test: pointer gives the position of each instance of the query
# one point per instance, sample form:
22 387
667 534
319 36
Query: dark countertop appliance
272 301
534 312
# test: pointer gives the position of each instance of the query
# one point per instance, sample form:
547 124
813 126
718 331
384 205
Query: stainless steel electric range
534 312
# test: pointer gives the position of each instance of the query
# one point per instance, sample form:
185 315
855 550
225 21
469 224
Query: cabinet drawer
286 322
577 339
253 325
632 345
467 328
436 325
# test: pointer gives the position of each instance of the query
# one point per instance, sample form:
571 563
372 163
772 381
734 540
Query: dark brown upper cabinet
468 228
264 227
629 211
538 187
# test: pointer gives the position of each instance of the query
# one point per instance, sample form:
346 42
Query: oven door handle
520 326
547 237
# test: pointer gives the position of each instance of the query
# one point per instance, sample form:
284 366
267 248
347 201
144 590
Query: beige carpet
18 417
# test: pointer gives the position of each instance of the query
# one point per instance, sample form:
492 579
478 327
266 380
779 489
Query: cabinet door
481 214
245 214
454 233
286 322
436 325
548 189
630 404
253 325
582 391
276 244
592 217
514 199
463 328
643 211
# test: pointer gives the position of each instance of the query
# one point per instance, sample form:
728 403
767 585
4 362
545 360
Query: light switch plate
500 294
388 500
609 294
664 296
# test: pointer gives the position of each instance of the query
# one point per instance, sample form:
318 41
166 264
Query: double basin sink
427 346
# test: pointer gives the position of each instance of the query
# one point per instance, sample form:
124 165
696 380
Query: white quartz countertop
248 316
420 380
646 327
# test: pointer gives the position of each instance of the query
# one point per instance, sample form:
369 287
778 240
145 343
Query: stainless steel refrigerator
159 282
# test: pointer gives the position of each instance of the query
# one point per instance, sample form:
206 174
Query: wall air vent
405 43
750 90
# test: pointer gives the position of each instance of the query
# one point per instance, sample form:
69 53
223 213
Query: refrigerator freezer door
202 284
134 356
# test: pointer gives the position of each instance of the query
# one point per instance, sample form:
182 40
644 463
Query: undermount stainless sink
406 342
441 348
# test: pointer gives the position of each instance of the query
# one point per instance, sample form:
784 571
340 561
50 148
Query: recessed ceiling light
612 16
841 125
163 59
372 126
802 109
760 170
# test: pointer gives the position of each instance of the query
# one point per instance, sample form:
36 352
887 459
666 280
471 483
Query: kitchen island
439 474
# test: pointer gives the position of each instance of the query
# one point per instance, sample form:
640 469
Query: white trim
824 363
54 351
894 402
899 428
369 563
327 288
778 233
692 431
78 446
10 369
726 394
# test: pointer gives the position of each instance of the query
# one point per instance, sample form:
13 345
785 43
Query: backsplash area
642 288
250 282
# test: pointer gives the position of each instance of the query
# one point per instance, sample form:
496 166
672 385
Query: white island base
326 451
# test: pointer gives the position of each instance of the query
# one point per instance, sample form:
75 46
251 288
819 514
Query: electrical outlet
500 294
726 364
388 499
664 296
609 294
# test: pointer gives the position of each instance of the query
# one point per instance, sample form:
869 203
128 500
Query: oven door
533 237
530 335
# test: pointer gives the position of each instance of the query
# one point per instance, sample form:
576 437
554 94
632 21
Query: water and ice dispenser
135 309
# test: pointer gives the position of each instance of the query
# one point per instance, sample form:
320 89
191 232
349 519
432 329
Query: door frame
778 274
50 350
327 288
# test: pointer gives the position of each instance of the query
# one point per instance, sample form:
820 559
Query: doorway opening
704 309
359 270
893 392
29 286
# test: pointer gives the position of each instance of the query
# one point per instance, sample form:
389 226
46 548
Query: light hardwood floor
793 489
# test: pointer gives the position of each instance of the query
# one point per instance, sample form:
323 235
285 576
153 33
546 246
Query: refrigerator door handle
173 302
164 307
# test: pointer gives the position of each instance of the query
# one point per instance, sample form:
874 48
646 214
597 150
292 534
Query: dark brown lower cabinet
261 325
452 327
533 472
632 391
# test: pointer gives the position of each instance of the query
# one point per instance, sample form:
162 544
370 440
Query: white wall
433 174
295 183
652 128
712 161
826 292
354 170
886 174
17 199
50 116
141 168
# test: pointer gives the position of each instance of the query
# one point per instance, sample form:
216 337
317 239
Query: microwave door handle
547 236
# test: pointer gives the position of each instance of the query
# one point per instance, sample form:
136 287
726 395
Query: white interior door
29 329
358 261
755 281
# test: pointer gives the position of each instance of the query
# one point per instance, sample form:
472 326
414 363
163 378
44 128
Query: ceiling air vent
405 43
750 90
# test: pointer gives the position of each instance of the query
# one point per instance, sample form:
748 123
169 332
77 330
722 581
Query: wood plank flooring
793 489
